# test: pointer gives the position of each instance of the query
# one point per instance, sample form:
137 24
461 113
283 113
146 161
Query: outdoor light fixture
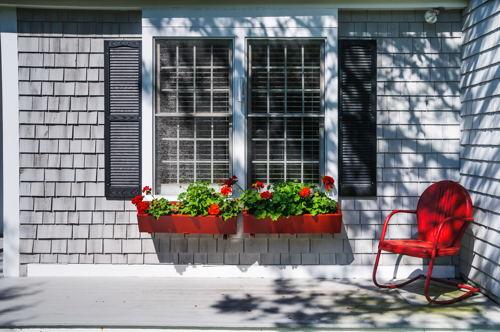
431 16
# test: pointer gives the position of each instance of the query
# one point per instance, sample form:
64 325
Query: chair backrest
442 200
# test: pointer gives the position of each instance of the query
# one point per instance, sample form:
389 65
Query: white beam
10 141
235 271
137 5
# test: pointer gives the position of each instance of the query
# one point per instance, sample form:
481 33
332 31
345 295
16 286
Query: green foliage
287 200
161 207
199 198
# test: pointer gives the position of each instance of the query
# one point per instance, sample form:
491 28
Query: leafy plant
286 198
201 200
198 200
156 207
161 207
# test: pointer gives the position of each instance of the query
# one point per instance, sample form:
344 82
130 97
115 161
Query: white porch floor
234 304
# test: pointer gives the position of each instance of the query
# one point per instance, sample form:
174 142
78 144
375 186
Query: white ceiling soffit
139 4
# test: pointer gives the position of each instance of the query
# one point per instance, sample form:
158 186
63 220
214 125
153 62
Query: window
285 110
193 112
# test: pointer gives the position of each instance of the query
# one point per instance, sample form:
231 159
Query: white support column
10 141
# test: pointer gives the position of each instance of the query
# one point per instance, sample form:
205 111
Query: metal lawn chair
444 212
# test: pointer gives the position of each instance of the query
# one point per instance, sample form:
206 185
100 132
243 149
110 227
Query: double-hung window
285 110
192 112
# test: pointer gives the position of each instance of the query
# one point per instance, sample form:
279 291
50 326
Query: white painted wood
147 116
236 304
331 152
134 4
235 271
10 141
240 23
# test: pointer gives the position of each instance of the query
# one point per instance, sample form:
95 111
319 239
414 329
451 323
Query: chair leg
471 291
374 277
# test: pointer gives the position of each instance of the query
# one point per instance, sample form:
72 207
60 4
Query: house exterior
204 91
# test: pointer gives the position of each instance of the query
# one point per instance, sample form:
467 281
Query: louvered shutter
123 118
358 118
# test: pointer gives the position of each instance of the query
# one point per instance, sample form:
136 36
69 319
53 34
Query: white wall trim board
10 141
134 5
235 271
240 24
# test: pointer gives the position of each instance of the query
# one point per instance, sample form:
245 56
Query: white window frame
241 23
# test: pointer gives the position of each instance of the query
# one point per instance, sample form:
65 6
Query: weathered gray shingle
65 60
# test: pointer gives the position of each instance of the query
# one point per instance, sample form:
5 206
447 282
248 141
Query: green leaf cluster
199 197
161 207
287 201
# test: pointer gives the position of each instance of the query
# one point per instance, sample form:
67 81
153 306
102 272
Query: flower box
305 224
186 224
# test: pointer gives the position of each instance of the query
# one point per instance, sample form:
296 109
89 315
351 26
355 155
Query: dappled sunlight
339 303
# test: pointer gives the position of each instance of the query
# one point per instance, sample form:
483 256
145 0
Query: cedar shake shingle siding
480 142
65 217
418 128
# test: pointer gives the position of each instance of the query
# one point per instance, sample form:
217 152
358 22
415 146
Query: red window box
305 224
186 224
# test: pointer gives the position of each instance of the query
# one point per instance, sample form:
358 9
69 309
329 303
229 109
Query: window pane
193 76
192 149
285 77
286 147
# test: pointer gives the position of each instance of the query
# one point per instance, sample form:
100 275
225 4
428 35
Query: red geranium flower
266 194
328 181
232 180
305 192
142 207
146 189
137 199
214 209
258 185
225 190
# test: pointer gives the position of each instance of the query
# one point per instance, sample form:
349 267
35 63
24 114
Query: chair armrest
390 216
447 220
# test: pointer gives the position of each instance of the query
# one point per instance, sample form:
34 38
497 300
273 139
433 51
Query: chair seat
416 248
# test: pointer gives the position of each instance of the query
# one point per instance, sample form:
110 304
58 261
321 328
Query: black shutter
358 117
123 70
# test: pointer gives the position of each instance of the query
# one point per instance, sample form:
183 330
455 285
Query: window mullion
178 151
268 78
286 86
194 79
194 149
212 149
177 80
303 81
211 78
302 150
285 120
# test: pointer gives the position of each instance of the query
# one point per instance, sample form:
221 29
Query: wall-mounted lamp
431 16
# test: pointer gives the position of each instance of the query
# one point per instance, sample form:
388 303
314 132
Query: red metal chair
444 212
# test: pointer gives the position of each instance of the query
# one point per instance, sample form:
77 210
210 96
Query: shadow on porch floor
229 304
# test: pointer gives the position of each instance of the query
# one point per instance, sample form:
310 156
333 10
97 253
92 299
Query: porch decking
230 304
